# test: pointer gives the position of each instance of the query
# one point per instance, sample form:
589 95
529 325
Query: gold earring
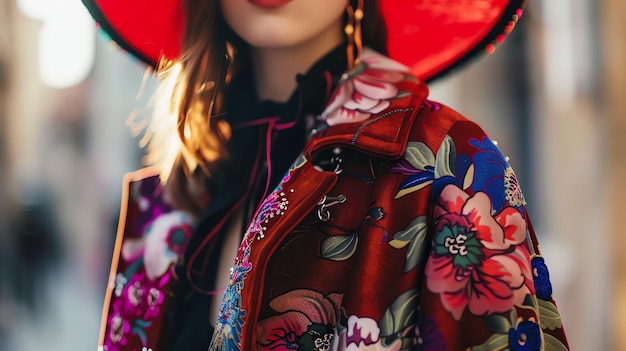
353 32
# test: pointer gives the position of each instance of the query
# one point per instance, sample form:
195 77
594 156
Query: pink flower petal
521 257
454 302
382 105
312 304
275 332
360 102
442 275
343 115
374 89
500 279
489 232
156 262
133 249
452 199
157 257
342 95
513 224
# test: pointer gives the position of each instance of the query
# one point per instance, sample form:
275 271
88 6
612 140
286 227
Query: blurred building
64 147
551 96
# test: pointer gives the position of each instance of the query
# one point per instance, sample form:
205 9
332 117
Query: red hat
429 36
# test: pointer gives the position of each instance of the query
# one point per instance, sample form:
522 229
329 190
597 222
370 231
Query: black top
239 180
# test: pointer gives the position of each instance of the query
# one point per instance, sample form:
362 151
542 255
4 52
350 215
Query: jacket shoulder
433 122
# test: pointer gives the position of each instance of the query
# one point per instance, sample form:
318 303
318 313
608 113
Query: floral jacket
413 235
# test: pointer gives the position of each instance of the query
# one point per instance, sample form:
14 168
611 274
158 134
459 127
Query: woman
358 214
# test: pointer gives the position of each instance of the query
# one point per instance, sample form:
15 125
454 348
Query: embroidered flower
273 206
478 259
229 325
494 176
141 297
525 337
401 327
512 188
118 328
364 333
162 244
134 309
543 286
367 89
306 321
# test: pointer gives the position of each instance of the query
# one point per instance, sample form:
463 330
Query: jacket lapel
384 134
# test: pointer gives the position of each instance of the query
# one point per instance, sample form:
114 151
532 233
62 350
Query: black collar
309 98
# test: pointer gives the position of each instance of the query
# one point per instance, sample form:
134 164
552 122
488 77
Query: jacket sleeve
485 285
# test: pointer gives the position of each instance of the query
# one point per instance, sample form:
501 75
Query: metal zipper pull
328 201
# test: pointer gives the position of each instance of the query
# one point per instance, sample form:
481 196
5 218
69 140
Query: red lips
269 4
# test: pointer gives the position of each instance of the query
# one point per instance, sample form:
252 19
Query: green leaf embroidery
340 247
530 301
553 344
446 156
416 227
419 155
548 315
413 235
140 333
141 323
496 342
498 323
401 314
415 251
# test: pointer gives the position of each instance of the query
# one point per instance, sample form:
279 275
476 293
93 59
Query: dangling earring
353 32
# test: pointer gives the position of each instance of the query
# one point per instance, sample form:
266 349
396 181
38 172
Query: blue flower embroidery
526 337
541 278
490 168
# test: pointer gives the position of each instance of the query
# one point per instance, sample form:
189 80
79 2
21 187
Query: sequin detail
229 325
275 205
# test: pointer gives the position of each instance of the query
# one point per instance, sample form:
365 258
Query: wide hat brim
432 37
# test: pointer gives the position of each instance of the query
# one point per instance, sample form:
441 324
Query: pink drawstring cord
271 126
214 232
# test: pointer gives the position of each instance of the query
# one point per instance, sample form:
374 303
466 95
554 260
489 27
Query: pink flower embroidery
117 329
162 244
141 297
478 259
307 321
364 334
365 90
134 309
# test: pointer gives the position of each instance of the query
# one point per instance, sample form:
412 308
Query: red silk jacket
417 238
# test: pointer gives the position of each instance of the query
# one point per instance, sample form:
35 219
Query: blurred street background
552 96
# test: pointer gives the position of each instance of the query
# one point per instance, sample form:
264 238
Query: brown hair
187 135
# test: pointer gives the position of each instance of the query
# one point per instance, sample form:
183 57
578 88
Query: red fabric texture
296 291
